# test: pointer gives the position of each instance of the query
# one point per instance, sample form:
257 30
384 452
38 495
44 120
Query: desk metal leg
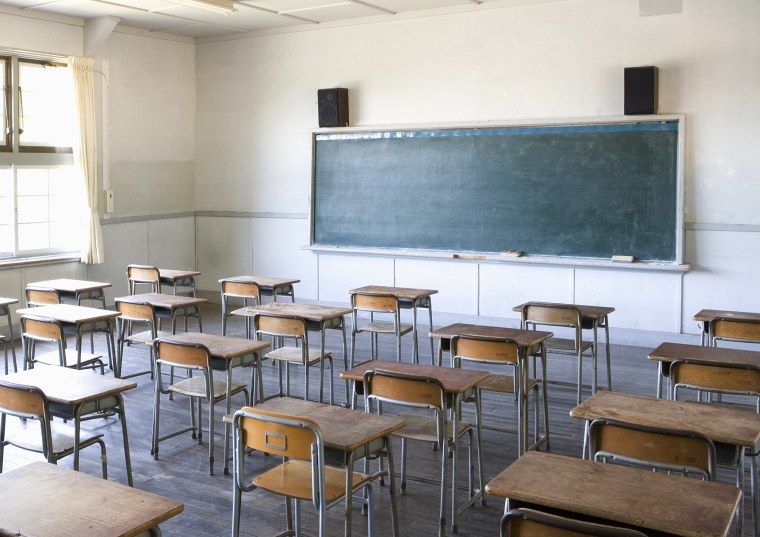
7 312
607 349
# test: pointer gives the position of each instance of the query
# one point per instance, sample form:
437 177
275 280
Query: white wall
256 108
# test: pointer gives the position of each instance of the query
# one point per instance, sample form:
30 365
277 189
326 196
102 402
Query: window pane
3 103
6 211
32 209
33 236
47 105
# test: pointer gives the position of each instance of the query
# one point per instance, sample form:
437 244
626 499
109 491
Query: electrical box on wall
109 201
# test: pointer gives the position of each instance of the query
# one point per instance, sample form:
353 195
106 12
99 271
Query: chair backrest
41 329
278 434
27 402
136 312
739 379
245 289
484 349
182 354
551 315
734 330
143 274
374 302
652 447
42 297
405 389
279 326
531 523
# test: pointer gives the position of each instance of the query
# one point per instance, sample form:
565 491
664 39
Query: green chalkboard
588 191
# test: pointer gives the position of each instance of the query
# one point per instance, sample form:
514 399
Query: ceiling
170 16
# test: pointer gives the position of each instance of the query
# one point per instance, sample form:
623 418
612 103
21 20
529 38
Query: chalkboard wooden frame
344 171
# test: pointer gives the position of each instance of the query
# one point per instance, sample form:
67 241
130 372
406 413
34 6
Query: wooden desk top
160 300
69 313
721 423
226 347
648 500
310 312
398 292
69 286
262 281
524 338
7 301
174 275
587 312
342 428
711 315
70 386
670 352
453 380
75 503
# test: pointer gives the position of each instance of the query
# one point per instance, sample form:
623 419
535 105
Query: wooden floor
182 470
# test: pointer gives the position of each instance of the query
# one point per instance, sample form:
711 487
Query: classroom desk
77 290
671 352
349 435
730 425
527 341
592 318
273 287
84 319
706 317
44 500
409 298
171 305
458 384
5 311
318 318
648 501
178 278
73 394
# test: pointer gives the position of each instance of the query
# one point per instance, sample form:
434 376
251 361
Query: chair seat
26 435
53 358
293 479
294 355
381 327
196 387
423 428
566 346
503 384
146 336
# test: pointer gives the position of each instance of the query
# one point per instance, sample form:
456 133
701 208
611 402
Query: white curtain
86 155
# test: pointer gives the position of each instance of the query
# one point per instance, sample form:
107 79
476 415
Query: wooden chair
248 292
561 315
301 476
139 275
500 352
532 523
198 388
36 330
54 440
727 329
285 328
423 393
384 306
131 313
728 379
38 296
685 453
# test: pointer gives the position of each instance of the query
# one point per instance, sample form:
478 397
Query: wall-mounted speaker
640 90
333 107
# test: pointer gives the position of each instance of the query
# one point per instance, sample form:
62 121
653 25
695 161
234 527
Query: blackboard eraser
511 253
623 259
470 257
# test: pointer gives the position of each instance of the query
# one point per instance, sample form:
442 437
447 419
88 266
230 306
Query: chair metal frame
194 357
532 523
296 440
285 327
378 304
29 403
143 313
421 392
247 292
36 329
503 352
563 315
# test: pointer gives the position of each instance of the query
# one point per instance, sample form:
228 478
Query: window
41 194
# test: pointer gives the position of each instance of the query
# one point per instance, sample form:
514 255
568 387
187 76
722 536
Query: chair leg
211 436
403 466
